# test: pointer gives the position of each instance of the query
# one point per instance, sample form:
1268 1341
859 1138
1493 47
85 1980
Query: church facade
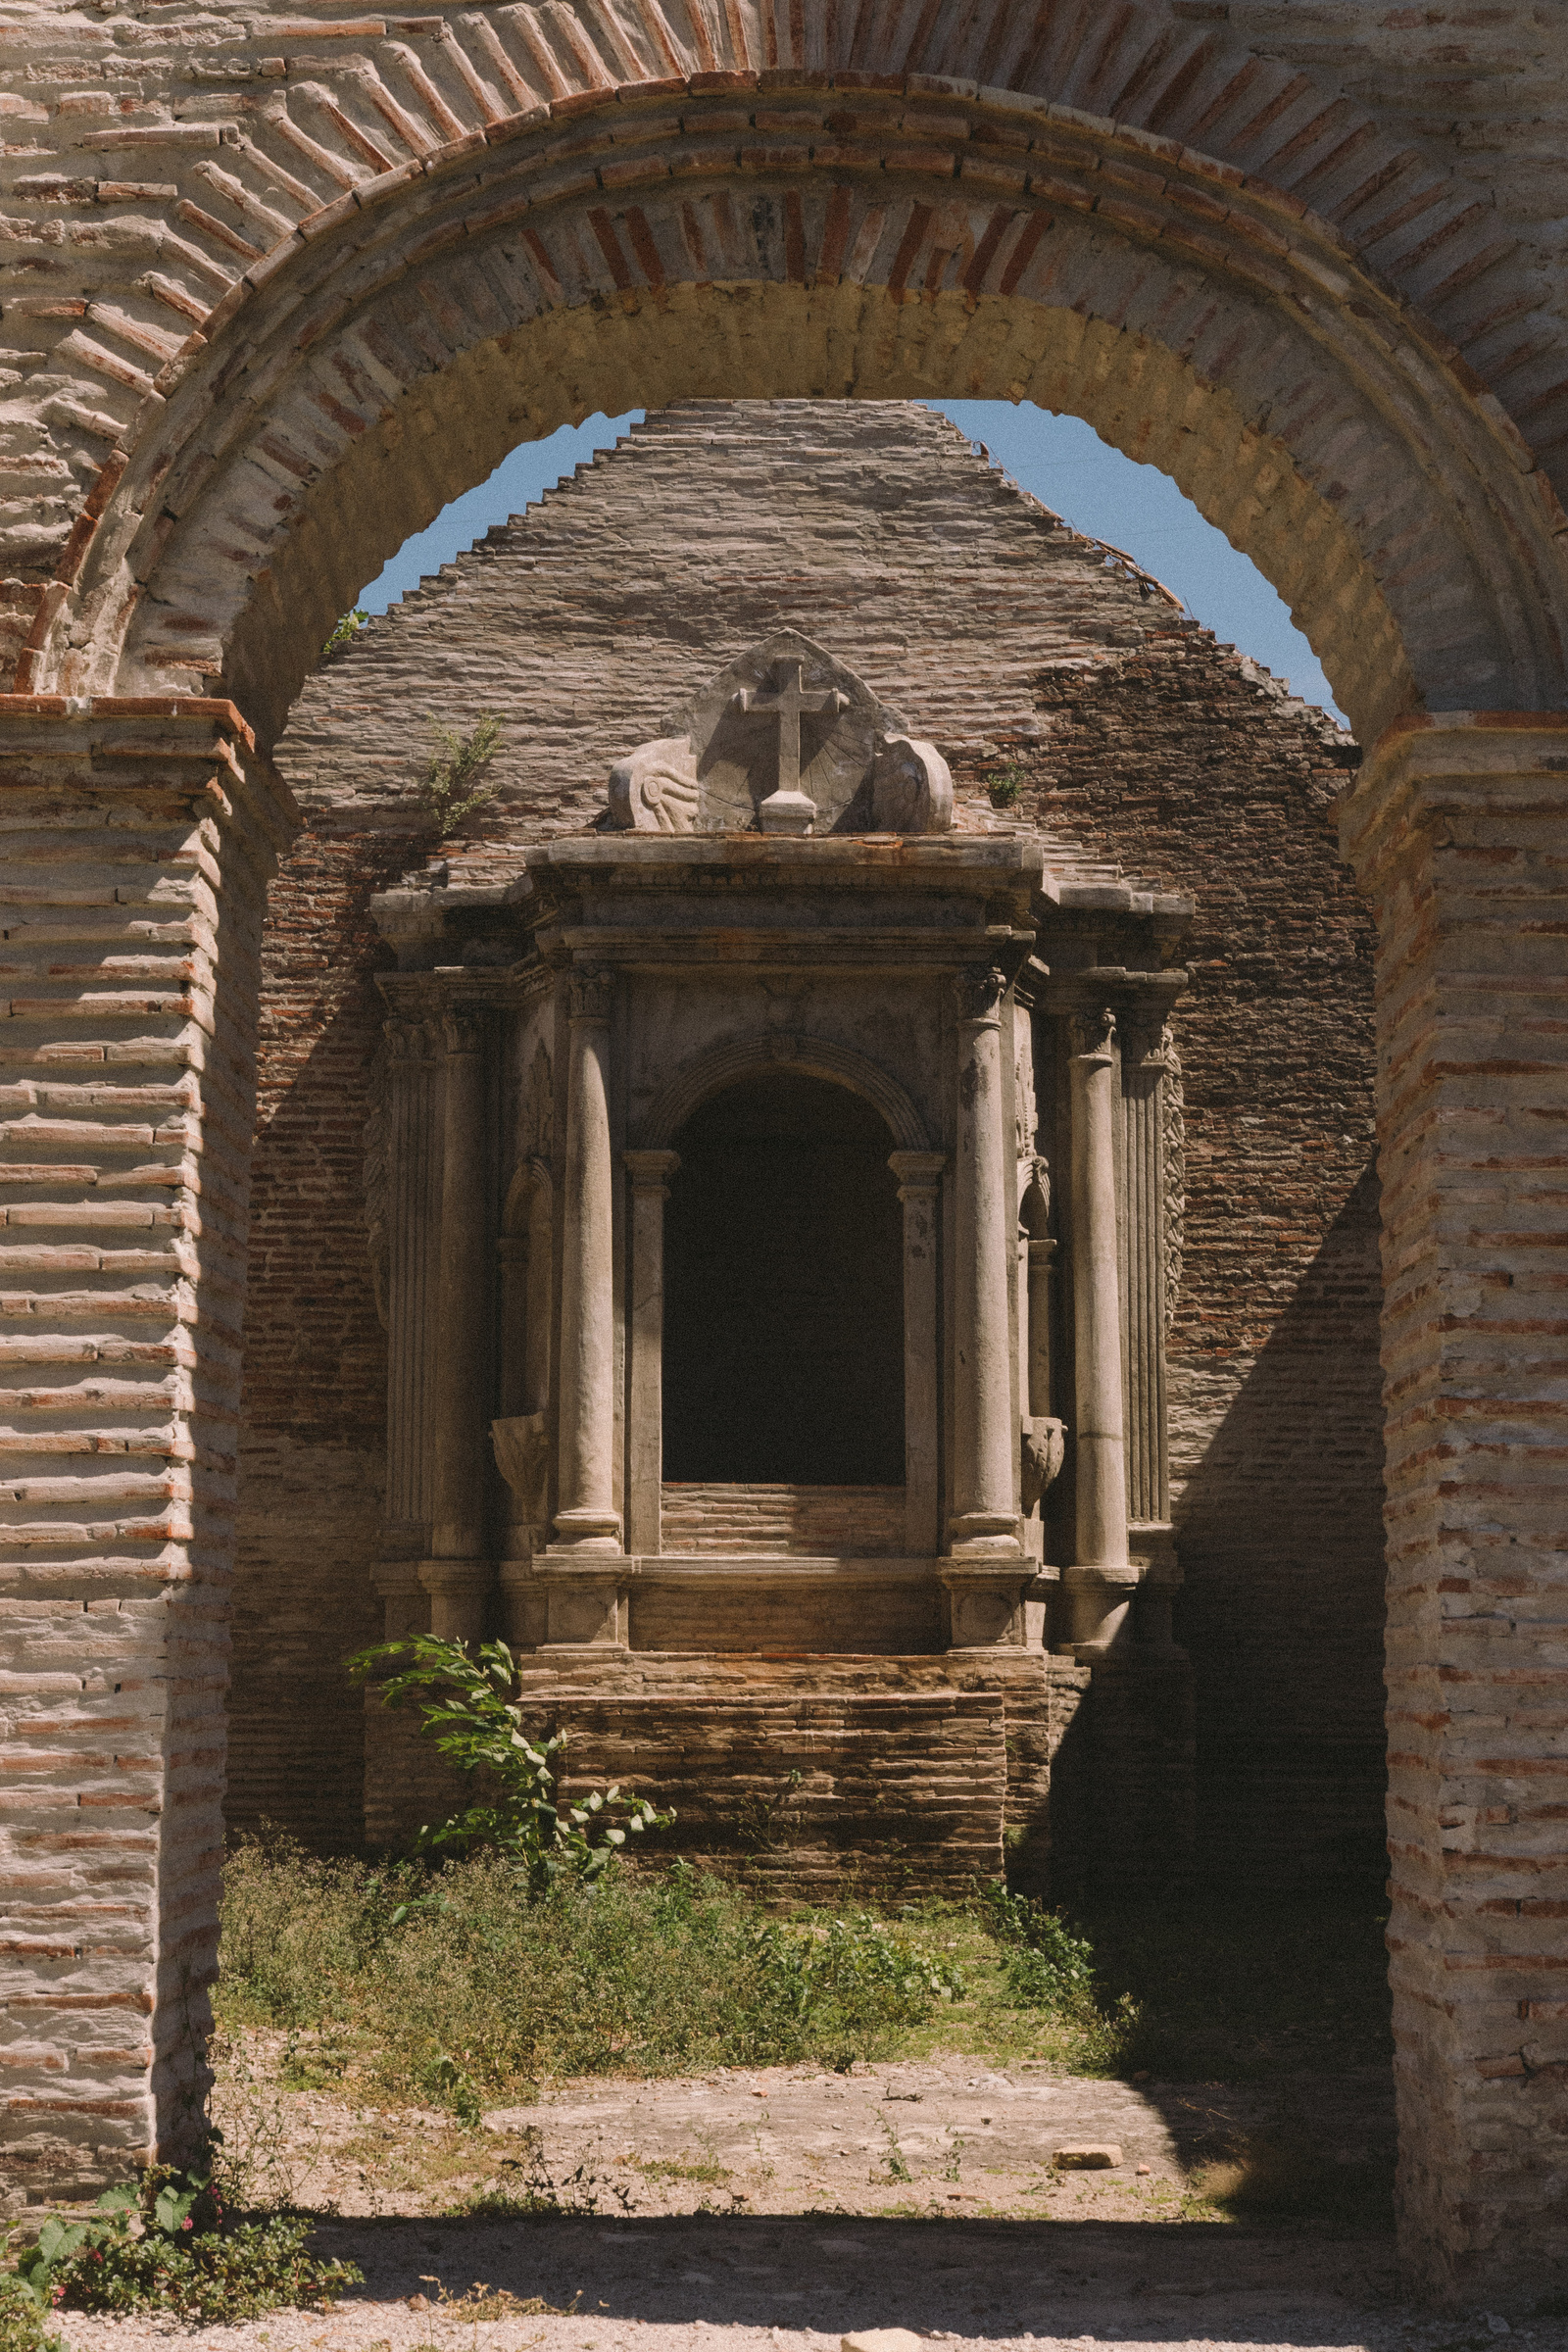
835 1209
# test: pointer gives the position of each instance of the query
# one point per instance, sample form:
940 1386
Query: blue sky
1061 461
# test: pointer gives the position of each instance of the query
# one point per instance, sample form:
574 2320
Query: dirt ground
778 2210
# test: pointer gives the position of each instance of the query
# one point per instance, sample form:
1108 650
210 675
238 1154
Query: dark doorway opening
784 1291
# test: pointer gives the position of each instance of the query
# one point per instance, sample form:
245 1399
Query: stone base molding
139 837
1457 828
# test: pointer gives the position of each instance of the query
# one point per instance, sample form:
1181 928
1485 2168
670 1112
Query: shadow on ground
1133 2282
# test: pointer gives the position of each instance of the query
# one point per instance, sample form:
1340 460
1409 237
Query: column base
585 1530
405 1601
582 1609
986 1535
459 1591
522 1602
1101 1599
986 1611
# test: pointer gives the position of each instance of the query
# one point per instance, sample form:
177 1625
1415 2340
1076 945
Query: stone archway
364 289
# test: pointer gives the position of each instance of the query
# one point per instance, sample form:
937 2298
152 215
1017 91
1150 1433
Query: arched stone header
709 1074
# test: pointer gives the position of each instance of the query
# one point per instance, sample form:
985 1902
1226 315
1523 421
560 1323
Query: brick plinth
138 837
913 1770
1460 831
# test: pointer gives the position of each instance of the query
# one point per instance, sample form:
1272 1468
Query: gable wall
876 530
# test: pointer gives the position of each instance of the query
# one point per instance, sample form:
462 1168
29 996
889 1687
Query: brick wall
1186 762
313 1459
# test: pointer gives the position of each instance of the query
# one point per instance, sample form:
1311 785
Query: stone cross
788 810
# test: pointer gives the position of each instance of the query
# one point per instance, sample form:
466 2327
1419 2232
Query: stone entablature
979 1005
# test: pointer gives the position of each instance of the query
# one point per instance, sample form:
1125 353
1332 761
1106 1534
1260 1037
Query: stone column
1457 829
919 1175
650 1173
985 1513
1101 1578
458 1573
1148 1059
986 1571
587 1521
1041 1258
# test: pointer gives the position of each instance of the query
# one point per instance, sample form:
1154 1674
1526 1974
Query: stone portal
817 1166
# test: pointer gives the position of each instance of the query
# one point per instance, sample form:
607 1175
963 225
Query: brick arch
709 1072
650 242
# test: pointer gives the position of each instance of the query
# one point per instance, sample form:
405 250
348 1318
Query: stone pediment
787 739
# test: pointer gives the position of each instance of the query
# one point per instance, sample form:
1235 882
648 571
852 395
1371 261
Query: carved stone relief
785 740
1174 1140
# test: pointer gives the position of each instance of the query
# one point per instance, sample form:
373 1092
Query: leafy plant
1007 787
22 2324
454 783
160 2244
469 1712
345 632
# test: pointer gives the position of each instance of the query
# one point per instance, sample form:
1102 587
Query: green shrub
345 630
456 780
162 2245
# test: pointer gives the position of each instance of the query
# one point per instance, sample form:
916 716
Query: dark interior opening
784 1291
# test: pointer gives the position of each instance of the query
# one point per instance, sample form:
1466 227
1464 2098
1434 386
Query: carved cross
788 701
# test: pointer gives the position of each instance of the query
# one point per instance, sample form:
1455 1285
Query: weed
345 630
161 2244
952 2170
22 2326
471 1716
1006 786
454 784
894 2165
1045 1964
482 2302
537 2197
669 2167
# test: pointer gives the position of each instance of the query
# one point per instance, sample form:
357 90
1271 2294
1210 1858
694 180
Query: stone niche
778 1206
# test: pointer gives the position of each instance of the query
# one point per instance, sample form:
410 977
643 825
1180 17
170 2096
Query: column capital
409 1040
1092 1032
978 988
462 1029
590 992
917 1172
650 1171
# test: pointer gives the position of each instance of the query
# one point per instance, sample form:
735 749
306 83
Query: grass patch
449 1987
705 2168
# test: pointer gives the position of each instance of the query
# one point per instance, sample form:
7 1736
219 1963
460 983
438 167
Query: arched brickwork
281 286
644 244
